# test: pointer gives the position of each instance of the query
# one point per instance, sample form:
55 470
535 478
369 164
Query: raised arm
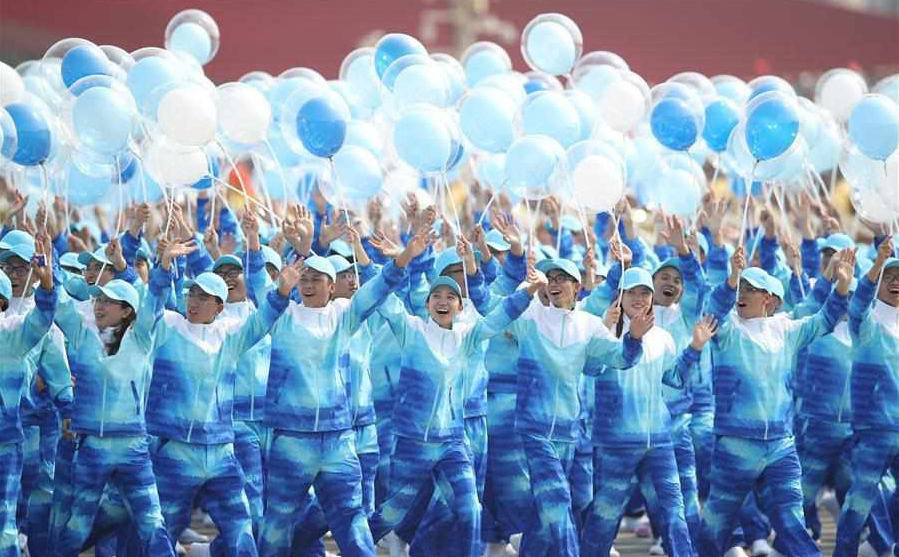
860 306
823 322
678 374
505 312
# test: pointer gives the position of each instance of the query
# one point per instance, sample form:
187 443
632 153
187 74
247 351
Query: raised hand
114 253
553 210
844 270
43 261
678 239
173 250
589 270
426 220
211 242
507 227
463 248
289 277
334 230
768 224
385 245
794 259
620 252
249 224
703 332
416 246
479 238
737 264
410 209
641 324
355 240
536 281
613 315
884 252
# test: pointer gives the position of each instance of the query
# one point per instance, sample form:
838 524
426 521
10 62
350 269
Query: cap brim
22 252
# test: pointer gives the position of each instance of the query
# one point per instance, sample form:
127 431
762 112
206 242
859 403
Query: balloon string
458 230
487 208
280 168
812 186
263 182
746 215
233 164
833 180
255 202
45 187
715 172
787 230
346 212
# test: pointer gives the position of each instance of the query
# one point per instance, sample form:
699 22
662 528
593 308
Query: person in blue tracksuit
428 418
874 328
307 404
753 354
191 399
555 344
110 344
19 334
633 426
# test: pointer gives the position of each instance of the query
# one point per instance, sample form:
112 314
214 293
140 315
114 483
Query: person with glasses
20 333
753 354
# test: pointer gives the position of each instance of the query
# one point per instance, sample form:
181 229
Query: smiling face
233 277
636 301
889 287
668 285
561 288
109 312
346 284
92 271
316 288
755 302
17 269
202 307
444 304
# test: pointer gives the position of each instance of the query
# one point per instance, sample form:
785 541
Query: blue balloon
487 118
535 85
321 126
720 118
103 119
673 123
143 188
485 63
552 114
127 167
286 156
82 61
738 187
33 133
148 74
874 126
422 139
393 46
358 173
771 126
191 38
9 141
84 189
205 182
490 171
768 83
530 165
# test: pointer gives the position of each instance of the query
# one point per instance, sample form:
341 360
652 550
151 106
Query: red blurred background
794 38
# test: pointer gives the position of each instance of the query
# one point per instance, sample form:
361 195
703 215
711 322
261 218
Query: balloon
550 113
598 175
533 167
586 111
84 60
415 79
358 174
874 126
483 59
602 58
874 185
392 47
511 84
732 88
551 43
288 94
13 89
195 33
594 79
244 114
487 118
259 80
679 193
32 132
187 115
422 139
363 134
454 75
83 188
772 124
103 116
321 124
768 83
9 139
357 70
536 81
888 86
171 164
721 115
838 90
282 150
824 154
489 171
702 85
623 102
677 116
120 61
214 170
149 73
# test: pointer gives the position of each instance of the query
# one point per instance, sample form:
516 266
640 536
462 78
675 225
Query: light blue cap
836 242
571 222
17 243
322 265
891 263
143 252
70 259
758 278
98 254
549 251
228 259
543 265
340 247
272 257
444 259
119 290
495 240
565 265
213 285
340 263
673 262
448 282
636 276
5 286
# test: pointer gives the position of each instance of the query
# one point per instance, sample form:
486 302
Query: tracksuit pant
10 483
581 476
368 451
248 447
42 432
617 472
507 488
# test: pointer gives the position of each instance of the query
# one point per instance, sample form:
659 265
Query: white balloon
838 90
598 183
12 88
175 165
621 105
244 113
187 116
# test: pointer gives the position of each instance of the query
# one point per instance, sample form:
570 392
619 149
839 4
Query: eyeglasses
94 266
10 269
559 278
104 300
230 274
749 289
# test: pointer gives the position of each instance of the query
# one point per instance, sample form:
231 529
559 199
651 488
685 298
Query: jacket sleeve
606 350
499 319
68 319
257 280
807 329
260 323
394 314
371 295
719 305
860 307
811 257
678 375
26 333
694 283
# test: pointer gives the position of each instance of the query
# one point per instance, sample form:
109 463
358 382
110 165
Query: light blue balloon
285 155
365 135
359 175
191 38
551 114
490 171
768 83
393 46
550 48
825 153
283 89
363 81
874 126
679 194
84 189
485 63
721 116
531 163
595 79
422 139
103 120
147 190
586 112
487 118
148 74
420 83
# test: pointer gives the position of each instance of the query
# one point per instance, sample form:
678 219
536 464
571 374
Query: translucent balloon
363 134
187 115
51 63
82 61
150 73
888 86
552 114
721 115
538 81
772 124
511 84
287 94
598 175
101 113
358 70
13 88
677 115
454 74
824 154
602 58
678 192
171 164
586 112
121 61
487 118
483 59
838 90
698 82
768 83
551 43
392 47
874 185
489 171
415 79
83 188
731 87
359 175
244 114
9 138
534 167
259 80
874 126
193 32
423 139
623 101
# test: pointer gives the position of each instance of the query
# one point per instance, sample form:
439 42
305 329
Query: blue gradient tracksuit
189 409
108 416
752 375
874 327
19 333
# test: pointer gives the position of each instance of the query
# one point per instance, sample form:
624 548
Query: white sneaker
760 548
23 544
867 550
828 500
776 553
190 536
199 550
179 549
614 552
515 542
499 550
396 546
736 551
631 524
656 547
